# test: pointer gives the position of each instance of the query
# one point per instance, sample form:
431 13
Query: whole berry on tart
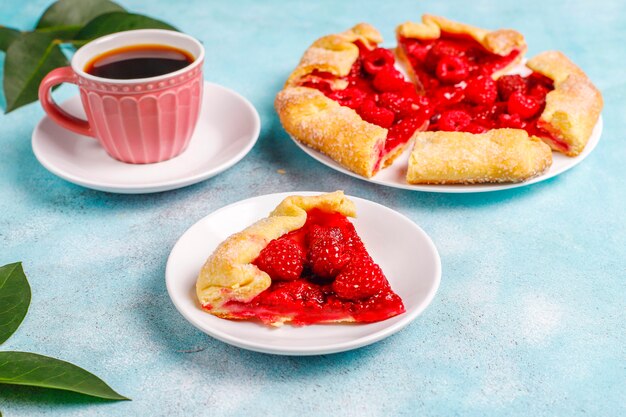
348 100
303 264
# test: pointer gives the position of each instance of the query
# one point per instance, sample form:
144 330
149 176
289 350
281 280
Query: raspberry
454 120
376 60
524 105
401 105
513 121
380 116
509 84
327 251
481 90
281 259
352 240
452 69
350 97
389 79
440 50
360 279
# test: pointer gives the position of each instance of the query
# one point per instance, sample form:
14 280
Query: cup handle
56 113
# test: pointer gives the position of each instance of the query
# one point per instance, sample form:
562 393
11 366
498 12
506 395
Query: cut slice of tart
347 100
572 107
499 155
303 264
439 52
462 69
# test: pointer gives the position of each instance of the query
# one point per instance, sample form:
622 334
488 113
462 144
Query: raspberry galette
303 264
348 100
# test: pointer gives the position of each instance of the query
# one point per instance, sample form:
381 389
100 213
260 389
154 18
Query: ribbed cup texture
144 123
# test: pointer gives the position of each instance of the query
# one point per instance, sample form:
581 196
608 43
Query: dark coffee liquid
138 61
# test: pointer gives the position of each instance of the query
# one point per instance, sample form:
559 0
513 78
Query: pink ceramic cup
137 121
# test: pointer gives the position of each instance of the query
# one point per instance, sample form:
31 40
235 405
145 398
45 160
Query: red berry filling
380 94
283 259
371 112
454 120
481 90
351 97
459 93
328 253
509 85
452 69
360 279
524 105
320 273
376 60
456 72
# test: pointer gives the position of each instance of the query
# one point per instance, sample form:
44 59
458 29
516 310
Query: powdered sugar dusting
540 318
499 387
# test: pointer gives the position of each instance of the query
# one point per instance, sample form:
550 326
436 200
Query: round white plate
228 127
404 251
395 175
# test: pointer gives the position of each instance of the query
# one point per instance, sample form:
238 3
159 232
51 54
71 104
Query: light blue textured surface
529 318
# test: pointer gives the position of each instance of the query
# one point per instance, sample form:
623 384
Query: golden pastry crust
229 275
334 53
499 155
573 107
500 42
320 122
335 130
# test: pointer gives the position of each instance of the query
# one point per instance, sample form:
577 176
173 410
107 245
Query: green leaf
29 58
7 35
14 299
65 17
61 33
22 368
117 22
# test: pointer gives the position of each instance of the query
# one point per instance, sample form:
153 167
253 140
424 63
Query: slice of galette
572 106
498 155
303 264
347 100
461 69
439 52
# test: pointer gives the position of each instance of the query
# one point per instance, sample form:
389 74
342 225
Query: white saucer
227 129
404 251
